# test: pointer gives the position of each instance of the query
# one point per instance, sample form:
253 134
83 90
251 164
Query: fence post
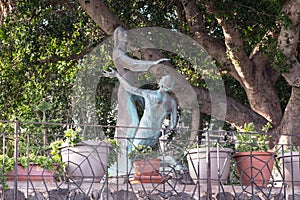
208 166
16 160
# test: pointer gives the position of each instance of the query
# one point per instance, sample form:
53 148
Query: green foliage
235 90
249 127
146 13
287 150
43 159
143 152
6 165
115 150
105 111
47 162
266 127
284 92
37 154
72 137
252 18
40 40
55 147
278 60
251 141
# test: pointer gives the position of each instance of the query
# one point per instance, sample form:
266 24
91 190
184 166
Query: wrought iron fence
216 165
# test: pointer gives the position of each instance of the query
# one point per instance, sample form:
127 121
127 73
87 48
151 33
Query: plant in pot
220 156
289 159
254 161
7 164
37 168
86 160
146 164
34 166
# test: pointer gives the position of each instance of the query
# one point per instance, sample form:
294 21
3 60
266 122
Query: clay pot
290 167
255 168
33 173
87 161
219 164
147 167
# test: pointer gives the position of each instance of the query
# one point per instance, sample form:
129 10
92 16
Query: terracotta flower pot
147 167
33 173
147 171
255 168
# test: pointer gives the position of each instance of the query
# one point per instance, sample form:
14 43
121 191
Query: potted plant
30 168
254 161
220 156
36 168
86 160
290 168
6 165
146 163
32 164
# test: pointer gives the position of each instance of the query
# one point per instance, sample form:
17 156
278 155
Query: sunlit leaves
137 13
36 43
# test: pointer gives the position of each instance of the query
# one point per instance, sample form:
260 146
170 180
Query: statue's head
166 83
120 36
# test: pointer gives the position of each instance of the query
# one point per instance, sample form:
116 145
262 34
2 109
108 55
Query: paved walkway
195 191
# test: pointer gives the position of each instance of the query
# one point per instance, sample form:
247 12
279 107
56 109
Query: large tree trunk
288 41
251 71
237 113
290 123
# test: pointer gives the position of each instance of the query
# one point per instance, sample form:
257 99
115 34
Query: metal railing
208 167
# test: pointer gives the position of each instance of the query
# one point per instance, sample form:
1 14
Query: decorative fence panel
53 163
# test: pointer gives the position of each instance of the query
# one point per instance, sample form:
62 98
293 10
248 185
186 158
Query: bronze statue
126 66
158 106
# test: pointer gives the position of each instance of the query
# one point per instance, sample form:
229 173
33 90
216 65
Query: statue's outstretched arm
131 89
123 60
131 64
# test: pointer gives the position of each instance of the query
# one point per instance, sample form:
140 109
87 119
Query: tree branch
254 78
56 58
237 114
101 15
235 47
6 8
288 41
214 47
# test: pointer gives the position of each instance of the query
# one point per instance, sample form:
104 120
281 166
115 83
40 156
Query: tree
254 42
41 43
255 45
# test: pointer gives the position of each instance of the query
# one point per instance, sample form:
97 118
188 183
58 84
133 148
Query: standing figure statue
158 105
126 66
127 120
